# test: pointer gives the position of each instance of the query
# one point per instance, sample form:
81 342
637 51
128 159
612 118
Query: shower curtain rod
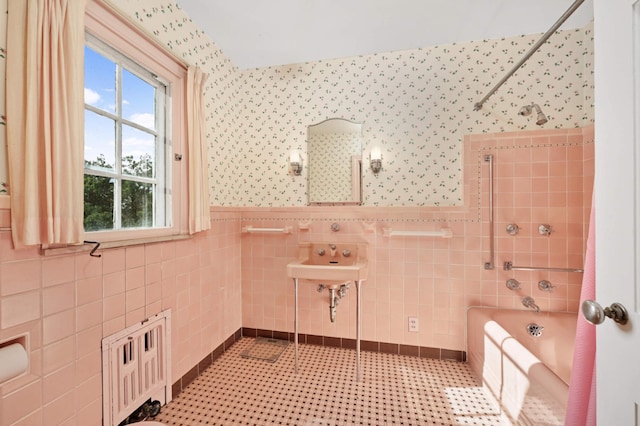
478 105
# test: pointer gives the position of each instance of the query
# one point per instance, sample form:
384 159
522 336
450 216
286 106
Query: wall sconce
295 161
375 160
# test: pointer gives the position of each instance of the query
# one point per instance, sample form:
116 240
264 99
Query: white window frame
118 32
161 180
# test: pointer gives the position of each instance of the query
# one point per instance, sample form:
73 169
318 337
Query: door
617 185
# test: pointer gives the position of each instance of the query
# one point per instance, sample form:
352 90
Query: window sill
54 250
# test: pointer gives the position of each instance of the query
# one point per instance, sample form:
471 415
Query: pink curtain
581 406
198 158
45 120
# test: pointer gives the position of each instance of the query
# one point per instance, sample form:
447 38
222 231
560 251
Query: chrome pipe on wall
478 105
488 158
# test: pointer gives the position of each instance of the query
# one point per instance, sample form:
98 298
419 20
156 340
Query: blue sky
137 106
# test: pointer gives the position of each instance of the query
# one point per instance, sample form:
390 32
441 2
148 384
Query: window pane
137 204
98 203
138 152
99 141
138 100
99 81
124 142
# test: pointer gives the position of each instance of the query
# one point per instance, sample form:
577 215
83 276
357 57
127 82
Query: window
124 157
134 132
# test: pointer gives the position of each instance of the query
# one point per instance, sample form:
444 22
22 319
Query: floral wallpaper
330 159
416 105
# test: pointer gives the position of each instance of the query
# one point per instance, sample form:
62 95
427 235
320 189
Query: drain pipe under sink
333 304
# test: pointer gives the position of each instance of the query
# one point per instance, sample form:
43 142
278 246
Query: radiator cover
136 366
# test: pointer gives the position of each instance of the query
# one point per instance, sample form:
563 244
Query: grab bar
251 230
508 266
443 233
490 264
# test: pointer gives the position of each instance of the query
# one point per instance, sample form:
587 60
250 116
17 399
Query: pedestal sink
331 264
344 262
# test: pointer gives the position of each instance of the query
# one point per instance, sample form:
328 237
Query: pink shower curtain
581 407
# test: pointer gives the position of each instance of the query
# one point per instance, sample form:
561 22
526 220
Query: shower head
541 119
528 109
525 110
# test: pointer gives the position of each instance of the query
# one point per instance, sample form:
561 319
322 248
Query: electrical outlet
413 324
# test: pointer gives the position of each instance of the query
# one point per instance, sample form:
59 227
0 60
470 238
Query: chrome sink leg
358 288
295 320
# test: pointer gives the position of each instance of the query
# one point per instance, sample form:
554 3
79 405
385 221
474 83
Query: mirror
334 150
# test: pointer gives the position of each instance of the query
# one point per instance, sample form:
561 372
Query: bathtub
526 375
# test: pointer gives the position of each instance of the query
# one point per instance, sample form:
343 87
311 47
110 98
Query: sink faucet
530 303
333 250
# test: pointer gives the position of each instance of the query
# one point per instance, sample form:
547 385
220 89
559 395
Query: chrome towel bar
251 230
508 266
442 233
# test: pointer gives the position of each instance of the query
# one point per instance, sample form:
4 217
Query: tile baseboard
365 345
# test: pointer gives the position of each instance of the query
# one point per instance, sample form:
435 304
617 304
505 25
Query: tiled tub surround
542 177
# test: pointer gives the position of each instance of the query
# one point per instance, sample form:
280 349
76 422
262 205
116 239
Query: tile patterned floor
393 390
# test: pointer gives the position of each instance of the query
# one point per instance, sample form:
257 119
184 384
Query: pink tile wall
68 303
541 177
221 280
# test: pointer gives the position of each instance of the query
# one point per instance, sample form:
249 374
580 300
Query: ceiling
260 33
